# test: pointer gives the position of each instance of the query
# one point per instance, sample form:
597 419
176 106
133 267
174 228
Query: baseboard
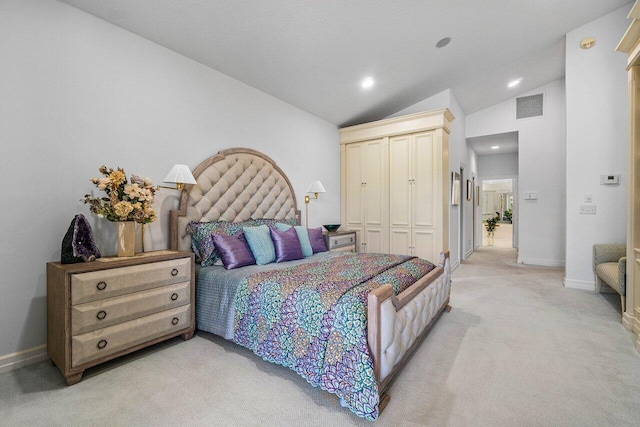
582 285
455 264
628 321
468 253
13 361
541 262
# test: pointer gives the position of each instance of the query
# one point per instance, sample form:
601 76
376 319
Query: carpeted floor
518 349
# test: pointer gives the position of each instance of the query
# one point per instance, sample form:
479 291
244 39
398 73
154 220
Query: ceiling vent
529 106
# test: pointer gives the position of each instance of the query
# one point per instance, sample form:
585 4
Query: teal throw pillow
303 237
262 248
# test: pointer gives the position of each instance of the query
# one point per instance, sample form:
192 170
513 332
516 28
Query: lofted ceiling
507 143
314 54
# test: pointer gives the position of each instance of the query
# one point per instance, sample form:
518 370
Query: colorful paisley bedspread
312 318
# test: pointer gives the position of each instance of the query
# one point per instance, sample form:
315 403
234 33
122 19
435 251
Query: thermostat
609 179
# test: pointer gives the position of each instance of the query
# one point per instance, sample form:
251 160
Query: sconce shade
180 174
316 187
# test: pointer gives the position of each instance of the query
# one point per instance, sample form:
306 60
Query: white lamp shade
316 187
180 174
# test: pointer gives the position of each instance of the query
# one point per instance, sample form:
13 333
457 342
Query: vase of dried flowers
126 203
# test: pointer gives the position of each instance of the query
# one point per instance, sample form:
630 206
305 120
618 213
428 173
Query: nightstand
100 310
340 241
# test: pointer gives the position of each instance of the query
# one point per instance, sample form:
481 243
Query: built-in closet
630 44
395 184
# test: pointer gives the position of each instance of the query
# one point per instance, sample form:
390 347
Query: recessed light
443 42
368 82
495 147
514 83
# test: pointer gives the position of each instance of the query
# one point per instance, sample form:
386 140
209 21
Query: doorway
498 207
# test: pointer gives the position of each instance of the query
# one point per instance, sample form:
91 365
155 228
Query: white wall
76 93
541 168
597 129
459 155
498 166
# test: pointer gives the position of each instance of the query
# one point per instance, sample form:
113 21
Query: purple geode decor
78 244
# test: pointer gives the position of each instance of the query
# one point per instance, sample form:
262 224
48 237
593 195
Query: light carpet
518 349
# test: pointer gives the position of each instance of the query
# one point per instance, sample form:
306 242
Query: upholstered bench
610 267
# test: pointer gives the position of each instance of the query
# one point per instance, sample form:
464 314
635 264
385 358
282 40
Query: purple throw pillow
234 250
316 239
287 244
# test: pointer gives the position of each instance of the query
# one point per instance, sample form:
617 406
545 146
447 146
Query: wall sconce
315 187
178 175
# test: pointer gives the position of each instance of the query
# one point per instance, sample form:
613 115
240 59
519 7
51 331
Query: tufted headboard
234 185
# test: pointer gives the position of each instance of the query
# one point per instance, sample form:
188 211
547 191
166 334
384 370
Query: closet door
366 165
354 186
423 242
400 184
422 172
373 166
412 194
375 240
400 241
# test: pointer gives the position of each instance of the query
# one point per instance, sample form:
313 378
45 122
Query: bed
345 322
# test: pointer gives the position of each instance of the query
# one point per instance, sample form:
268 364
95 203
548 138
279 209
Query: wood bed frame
239 184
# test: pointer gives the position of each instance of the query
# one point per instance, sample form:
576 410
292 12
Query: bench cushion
608 272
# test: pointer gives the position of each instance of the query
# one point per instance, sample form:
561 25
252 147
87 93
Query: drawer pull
102 344
174 321
101 286
174 272
174 296
101 314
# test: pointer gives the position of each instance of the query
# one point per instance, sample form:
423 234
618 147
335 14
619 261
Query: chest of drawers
341 241
104 309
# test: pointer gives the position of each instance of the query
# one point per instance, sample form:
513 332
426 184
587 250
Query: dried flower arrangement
124 201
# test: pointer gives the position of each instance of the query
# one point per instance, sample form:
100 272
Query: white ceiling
508 143
313 54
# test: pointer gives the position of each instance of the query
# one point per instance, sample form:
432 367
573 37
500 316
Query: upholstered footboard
397 323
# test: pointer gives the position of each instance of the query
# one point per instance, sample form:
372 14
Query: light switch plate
588 209
609 179
530 195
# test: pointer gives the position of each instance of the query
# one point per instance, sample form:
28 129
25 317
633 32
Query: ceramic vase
126 238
